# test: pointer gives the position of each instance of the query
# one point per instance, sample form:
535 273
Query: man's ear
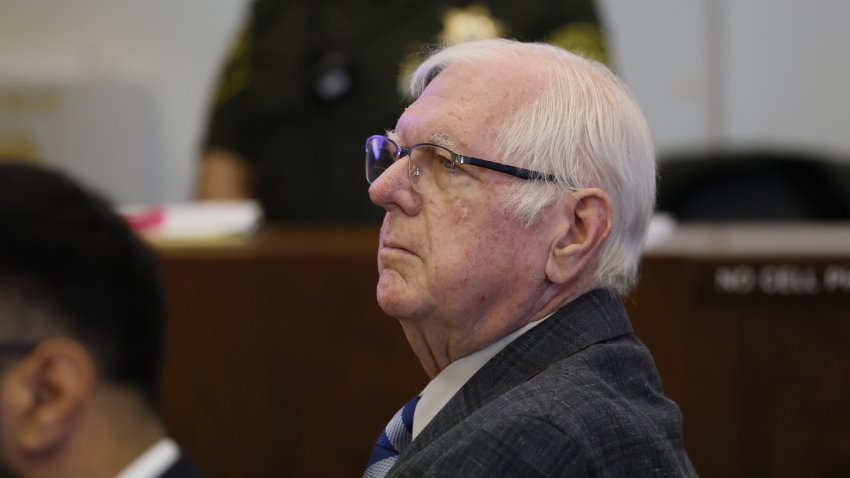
54 384
583 225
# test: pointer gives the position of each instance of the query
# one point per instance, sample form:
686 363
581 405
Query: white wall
738 74
788 67
165 53
706 72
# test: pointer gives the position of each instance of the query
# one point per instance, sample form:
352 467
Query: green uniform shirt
308 81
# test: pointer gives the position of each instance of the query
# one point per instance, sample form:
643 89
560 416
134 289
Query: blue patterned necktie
393 440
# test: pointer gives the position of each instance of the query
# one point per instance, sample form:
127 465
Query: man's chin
396 298
394 306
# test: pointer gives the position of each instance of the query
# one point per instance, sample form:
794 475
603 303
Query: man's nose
392 190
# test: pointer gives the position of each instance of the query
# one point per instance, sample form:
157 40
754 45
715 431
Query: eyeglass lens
435 164
429 161
380 155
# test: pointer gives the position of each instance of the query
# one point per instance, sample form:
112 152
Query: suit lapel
594 317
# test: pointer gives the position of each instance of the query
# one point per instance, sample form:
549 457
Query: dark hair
64 250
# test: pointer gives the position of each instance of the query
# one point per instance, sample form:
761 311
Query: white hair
585 128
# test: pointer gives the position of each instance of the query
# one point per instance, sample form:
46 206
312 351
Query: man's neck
437 347
117 427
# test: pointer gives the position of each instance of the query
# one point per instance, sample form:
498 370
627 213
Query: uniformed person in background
306 81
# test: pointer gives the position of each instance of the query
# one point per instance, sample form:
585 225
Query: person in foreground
518 188
81 324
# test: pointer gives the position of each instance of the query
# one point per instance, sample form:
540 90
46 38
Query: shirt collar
154 461
447 383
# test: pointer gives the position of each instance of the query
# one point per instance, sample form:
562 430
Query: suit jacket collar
594 317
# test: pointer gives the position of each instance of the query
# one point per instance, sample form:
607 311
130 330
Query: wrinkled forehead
469 102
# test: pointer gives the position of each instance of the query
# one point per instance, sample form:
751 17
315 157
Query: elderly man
81 323
518 187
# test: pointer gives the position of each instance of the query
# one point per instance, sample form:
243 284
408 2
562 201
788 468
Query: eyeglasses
437 164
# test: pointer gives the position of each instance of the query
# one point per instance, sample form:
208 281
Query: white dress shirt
447 383
153 462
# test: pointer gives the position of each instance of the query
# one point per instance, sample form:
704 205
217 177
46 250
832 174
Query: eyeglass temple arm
512 170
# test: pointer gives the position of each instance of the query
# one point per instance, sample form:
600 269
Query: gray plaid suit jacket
576 396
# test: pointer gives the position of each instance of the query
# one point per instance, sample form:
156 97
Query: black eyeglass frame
456 158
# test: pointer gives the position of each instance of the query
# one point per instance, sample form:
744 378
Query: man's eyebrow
440 139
